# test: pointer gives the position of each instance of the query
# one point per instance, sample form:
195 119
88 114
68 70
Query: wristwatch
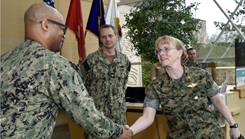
234 126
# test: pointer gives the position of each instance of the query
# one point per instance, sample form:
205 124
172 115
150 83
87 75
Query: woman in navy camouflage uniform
183 95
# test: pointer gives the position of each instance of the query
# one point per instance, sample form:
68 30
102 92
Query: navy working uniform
35 83
107 82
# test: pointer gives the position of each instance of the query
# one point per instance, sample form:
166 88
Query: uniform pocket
122 74
100 72
121 71
198 100
169 105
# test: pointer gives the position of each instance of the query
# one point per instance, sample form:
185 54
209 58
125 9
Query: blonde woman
183 95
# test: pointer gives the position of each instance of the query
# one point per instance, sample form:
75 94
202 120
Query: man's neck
109 52
193 62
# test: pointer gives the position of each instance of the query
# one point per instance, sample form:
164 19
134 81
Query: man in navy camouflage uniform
105 75
36 82
192 59
183 95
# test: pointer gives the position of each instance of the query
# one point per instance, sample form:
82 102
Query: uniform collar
191 63
158 64
33 43
168 81
103 58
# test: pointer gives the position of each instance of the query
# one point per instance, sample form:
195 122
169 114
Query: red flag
74 21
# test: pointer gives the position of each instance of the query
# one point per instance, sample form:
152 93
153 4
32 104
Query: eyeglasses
58 23
166 49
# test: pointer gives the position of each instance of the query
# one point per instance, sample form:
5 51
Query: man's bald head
46 32
38 12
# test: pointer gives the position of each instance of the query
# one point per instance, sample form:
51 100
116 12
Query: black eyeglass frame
58 23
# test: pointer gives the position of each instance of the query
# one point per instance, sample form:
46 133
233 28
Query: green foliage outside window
151 19
146 77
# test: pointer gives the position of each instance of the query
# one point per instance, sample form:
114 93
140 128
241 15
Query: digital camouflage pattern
35 83
197 64
185 104
107 84
75 67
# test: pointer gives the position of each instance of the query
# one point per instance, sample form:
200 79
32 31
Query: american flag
49 2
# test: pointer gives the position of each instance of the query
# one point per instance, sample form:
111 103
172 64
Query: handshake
127 133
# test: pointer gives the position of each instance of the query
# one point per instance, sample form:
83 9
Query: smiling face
169 51
45 24
170 54
57 34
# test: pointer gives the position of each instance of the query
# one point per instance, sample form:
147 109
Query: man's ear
117 36
45 25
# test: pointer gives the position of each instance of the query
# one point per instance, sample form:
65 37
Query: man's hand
127 133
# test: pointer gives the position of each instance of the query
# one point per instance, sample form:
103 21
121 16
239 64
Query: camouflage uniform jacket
185 104
197 64
157 69
107 83
35 83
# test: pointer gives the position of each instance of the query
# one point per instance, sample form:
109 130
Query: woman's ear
181 52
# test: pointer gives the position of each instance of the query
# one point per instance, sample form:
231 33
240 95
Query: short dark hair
189 49
109 26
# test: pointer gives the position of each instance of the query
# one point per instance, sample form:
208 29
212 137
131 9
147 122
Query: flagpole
117 25
99 24
100 16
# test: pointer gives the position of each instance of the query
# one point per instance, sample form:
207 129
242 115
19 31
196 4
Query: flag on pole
49 2
112 17
96 19
74 21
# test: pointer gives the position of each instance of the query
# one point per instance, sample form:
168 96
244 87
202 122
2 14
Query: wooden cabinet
135 110
158 129
235 104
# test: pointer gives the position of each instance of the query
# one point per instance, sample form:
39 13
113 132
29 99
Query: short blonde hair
176 42
169 39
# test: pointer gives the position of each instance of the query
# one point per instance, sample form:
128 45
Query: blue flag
49 2
96 18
